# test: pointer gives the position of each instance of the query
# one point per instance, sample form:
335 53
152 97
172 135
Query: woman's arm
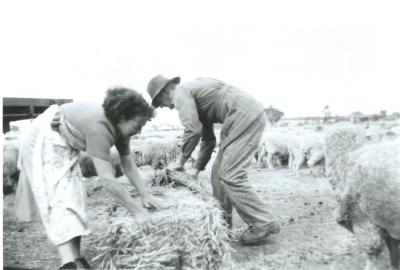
108 181
131 171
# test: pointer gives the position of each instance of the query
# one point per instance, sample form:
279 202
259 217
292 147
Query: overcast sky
294 55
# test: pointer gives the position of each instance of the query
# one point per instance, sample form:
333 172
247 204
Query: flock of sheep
362 165
363 168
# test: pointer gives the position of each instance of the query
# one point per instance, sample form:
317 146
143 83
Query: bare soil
309 237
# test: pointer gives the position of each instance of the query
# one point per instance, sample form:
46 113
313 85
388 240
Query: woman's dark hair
124 103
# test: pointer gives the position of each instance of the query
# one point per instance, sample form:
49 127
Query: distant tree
273 115
357 114
327 113
383 113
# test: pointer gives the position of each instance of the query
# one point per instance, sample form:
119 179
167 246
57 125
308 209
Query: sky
297 56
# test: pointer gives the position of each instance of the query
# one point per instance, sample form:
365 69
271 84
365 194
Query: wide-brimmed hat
157 84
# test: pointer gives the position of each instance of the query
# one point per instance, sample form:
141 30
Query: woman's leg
70 250
77 243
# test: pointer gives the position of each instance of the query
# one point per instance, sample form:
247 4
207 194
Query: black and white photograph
210 135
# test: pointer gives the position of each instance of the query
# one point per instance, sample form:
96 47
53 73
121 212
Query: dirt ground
309 238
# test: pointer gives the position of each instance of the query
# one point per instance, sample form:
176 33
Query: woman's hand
149 202
143 221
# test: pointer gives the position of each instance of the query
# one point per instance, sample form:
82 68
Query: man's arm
187 109
207 146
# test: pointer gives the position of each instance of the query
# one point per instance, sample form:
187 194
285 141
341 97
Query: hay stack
188 233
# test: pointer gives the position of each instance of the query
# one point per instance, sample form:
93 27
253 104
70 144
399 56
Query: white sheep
382 133
10 160
392 133
307 149
273 146
155 152
366 179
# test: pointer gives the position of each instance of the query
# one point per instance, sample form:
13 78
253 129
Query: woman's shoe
82 261
70 265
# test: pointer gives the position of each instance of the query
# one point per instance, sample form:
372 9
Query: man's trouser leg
232 173
219 193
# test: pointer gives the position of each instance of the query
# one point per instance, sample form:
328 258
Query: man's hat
157 84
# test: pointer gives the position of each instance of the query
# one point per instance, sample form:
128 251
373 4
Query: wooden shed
25 108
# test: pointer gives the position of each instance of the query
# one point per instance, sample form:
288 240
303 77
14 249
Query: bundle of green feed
188 232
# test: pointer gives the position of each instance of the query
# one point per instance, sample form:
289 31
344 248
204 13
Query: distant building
357 117
25 108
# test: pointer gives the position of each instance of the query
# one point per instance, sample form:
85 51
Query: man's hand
194 174
176 166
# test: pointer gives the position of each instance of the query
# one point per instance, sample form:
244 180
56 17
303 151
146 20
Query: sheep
273 146
306 149
395 129
155 152
366 180
379 133
392 133
10 160
261 155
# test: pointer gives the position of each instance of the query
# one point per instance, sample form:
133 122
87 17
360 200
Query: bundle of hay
187 233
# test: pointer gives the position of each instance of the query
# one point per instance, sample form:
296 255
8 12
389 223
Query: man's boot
228 221
258 236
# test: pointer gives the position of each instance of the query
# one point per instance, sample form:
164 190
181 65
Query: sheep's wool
366 178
